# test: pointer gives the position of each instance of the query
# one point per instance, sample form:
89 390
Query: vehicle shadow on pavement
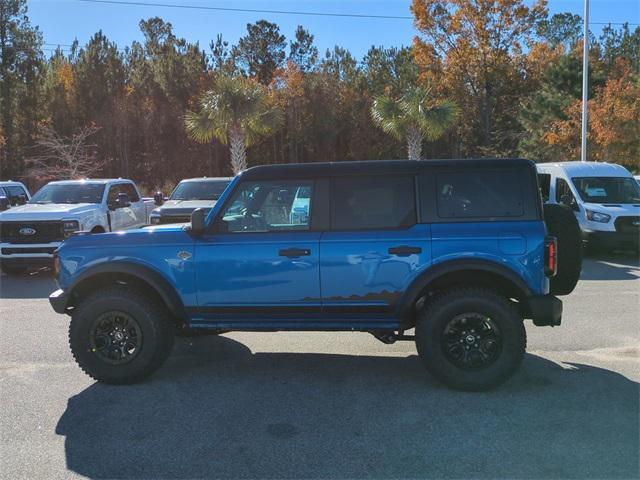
217 410
27 286
610 267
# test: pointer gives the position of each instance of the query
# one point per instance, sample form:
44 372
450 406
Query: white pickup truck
30 233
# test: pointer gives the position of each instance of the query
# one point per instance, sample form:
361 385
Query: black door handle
404 251
294 252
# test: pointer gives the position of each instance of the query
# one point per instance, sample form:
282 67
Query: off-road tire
562 224
153 320
436 315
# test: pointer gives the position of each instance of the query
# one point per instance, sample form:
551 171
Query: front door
375 246
261 258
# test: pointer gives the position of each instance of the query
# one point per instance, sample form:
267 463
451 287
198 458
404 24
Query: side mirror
158 198
22 199
5 204
122 201
197 221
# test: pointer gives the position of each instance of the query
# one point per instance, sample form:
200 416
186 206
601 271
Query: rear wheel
120 336
470 338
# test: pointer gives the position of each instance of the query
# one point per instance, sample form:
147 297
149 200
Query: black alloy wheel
115 337
471 341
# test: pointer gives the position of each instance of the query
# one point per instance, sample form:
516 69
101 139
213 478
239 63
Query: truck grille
628 224
31 232
164 219
27 250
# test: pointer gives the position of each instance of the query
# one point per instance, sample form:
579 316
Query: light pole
585 82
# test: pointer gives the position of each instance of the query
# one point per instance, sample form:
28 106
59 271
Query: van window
564 195
372 203
607 189
479 194
544 181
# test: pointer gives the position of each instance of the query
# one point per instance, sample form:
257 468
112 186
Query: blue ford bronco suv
457 250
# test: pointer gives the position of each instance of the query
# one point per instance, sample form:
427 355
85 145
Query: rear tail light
550 256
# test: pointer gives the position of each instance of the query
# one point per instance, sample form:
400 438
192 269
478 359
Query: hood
615 208
184 206
47 211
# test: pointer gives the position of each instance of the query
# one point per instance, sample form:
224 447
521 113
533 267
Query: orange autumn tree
614 125
473 51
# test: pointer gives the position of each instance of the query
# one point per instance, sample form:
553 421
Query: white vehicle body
605 198
30 233
189 194
12 190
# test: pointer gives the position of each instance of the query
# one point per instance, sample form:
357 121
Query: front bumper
619 240
545 310
11 251
29 263
59 301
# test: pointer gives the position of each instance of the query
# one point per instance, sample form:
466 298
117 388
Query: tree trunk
414 144
238 151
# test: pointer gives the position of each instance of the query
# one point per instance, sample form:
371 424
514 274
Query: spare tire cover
562 224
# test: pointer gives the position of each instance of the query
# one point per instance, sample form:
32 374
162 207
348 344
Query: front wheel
120 336
470 339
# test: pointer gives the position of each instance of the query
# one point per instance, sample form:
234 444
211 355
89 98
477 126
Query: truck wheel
120 336
562 224
470 338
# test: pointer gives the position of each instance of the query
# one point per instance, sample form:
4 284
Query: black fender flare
146 274
430 275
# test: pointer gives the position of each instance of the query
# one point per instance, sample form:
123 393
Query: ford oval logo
27 231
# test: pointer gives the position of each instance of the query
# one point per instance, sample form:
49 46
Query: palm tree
236 111
413 117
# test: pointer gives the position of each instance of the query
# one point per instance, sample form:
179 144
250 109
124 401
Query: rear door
375 246
486 214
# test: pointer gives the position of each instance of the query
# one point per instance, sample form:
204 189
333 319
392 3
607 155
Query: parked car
30 233
12 194
604 197
188 195
456 249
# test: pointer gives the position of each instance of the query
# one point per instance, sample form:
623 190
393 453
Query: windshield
69 193
607 189
205 190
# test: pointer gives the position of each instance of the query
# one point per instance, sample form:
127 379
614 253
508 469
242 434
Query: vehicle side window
114 191
13 193
131 192
544 181
563 192
479 194
372 203
269 206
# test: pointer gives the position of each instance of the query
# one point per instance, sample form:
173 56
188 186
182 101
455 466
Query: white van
605 198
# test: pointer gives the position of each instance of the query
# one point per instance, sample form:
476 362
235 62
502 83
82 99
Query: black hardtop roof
373 167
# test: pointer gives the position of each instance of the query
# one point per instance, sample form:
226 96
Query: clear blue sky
62 21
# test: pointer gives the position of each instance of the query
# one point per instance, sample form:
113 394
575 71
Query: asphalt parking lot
327 405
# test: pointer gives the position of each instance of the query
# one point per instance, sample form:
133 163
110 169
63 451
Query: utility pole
585 82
